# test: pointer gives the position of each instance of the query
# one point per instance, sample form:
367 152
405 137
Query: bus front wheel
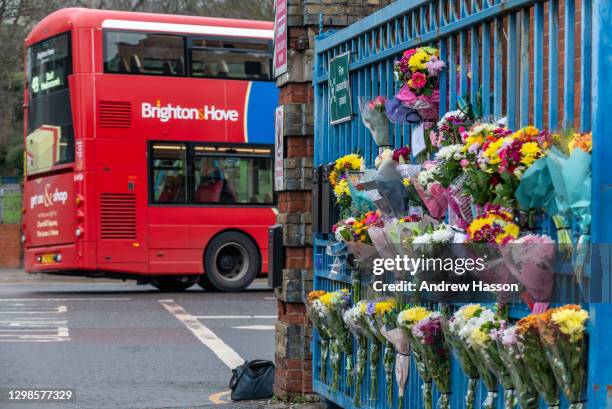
174 283
231 262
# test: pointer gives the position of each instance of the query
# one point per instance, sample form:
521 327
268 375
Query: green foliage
11 208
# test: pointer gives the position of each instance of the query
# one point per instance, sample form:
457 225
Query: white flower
444 234
447 152
458 113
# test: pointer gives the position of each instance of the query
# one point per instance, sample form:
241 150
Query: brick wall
10 246
293 329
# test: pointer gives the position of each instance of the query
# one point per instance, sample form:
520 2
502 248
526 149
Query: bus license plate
47 259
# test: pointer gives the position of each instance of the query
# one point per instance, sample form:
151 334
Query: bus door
121 195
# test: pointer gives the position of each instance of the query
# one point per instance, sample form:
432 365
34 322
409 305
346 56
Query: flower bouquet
419 71
374 118
562 334
363 312
431 192
464 322
406 320
450 128
481 179
354 232
486 235
382 318
514 360
534 359
316 312
430 338
451 327
531 260
335 304
353 318
339 183
482 340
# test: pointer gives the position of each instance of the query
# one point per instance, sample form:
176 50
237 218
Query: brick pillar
293 329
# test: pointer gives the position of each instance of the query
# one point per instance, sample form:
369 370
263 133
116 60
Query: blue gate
519 59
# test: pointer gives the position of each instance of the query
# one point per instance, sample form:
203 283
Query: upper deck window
140 53
248 60
49 65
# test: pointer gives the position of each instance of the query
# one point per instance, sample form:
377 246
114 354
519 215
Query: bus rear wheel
231 262
174 283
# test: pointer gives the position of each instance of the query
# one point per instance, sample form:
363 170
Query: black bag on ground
252 380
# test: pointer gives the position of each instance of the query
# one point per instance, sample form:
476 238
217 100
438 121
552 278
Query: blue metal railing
514 58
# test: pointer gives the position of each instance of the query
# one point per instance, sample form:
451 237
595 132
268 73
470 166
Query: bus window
168 173
216 59
48 65
141 53
232 179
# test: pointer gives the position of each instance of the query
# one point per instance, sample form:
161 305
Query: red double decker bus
148 144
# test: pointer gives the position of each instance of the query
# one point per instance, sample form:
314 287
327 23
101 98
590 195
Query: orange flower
315 295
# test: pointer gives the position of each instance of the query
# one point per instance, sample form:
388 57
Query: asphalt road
120 346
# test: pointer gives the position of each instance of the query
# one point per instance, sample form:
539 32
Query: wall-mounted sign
340 107
279 153
280 38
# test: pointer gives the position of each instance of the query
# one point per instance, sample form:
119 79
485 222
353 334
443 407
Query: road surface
123 346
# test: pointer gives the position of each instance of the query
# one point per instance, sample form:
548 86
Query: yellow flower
384 306
511 229
342 188
406 182
327 299
348 162
413 315
530 151
418 60
492 151
363 307
479 337
469 311
570 322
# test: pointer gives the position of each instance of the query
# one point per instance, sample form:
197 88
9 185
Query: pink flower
418 80
436 189
462 129
464 163
410 53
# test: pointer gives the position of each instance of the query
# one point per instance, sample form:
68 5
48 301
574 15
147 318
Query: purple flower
434 65
370 308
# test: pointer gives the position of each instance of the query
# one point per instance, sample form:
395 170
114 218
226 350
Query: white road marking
270 298
64 299
256 327
56 310
236 317
223 351
26 322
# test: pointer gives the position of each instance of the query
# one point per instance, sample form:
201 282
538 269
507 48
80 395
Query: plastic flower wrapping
335 304
431 191
464 321
430 338
562 332
459 348
419 72
339 182
317 311
355 232
406 320
382 320
485 328
375 119
449 172
354 319
531 260
450 128
535 360
514 360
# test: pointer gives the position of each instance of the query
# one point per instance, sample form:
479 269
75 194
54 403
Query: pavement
125 346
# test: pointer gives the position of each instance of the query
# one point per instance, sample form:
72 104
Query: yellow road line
217 398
